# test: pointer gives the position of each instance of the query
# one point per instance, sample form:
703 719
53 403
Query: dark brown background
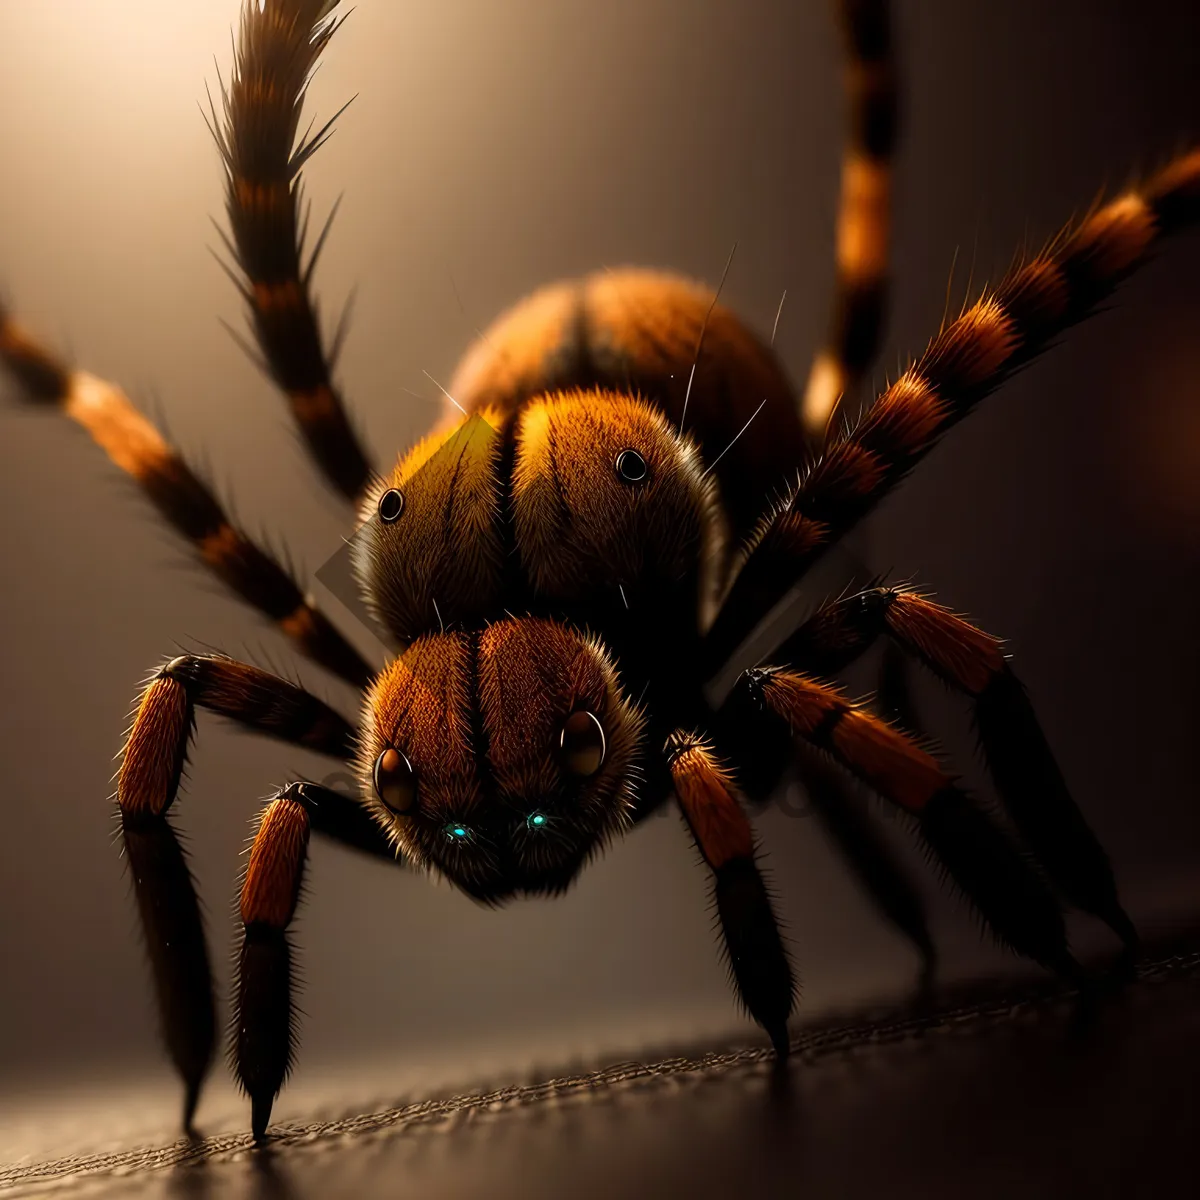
504 145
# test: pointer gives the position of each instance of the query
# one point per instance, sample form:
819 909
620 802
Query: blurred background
492 148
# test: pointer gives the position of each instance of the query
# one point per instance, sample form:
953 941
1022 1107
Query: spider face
583 494
500 758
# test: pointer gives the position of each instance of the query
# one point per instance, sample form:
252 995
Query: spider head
583 494
502 758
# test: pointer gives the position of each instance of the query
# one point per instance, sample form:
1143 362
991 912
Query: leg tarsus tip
780 1041
260 1117
191 1098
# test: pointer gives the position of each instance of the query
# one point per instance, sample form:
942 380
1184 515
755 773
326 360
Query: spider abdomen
638 332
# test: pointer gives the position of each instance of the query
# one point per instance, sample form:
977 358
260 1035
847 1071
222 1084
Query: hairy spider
628 488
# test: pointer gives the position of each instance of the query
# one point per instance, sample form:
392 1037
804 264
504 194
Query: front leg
757 958
264 1032
152 764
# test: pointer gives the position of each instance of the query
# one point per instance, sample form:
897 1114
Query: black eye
395 781
631 467
582 744
391 505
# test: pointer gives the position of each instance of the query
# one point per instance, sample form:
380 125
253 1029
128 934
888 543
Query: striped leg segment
760 751
156 749
864 213
278 48
264 1026
181 497
969 358
152 764
757 958
989 869
1018 756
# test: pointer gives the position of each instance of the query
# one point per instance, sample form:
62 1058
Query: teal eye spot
537 820
458 833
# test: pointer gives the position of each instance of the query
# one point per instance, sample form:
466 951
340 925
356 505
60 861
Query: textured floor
989 1095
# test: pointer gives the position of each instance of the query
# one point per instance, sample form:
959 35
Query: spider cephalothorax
578 501
501 758
569 569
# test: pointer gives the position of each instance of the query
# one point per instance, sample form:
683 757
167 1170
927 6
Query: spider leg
181 497
861 845
979 857
760 751
864 213
1019 758
147 783
278 47
969 358
758 960
264 1027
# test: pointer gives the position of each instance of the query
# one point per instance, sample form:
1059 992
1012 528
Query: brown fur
153 753
479 716
442 560
706 793
271 885
636 332
580 529
965 656
892 763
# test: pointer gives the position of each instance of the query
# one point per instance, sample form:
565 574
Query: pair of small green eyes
582 750
457 832
630 467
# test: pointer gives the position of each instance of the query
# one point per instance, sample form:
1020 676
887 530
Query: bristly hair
278 47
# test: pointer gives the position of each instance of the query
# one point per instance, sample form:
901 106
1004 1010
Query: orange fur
971 349
151 757
261 199
893 764
579 528
849 471
966 656
1110 241
441 561
706 794
117 427
274 297
479 715
636 331
896 767
864 222
421 703
906 417
271 886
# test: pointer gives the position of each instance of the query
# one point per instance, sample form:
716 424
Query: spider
622 489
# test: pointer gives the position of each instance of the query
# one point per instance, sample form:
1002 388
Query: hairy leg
864 214
758 960
278 47
967 360
989 869
181 497
147 783
1018 756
